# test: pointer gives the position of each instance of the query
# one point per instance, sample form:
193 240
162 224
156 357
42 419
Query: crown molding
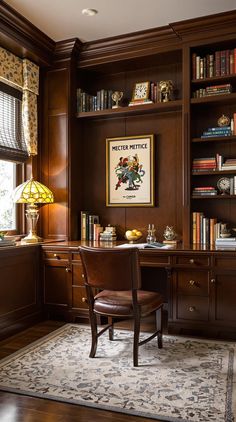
211 26
21 37
131 45
67 49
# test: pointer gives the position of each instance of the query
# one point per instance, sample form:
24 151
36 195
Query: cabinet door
56 283
225 294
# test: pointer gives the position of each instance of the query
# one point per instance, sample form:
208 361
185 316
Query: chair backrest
111 268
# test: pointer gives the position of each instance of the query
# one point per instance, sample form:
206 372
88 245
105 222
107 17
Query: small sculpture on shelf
169 235
224 231
116 97
166 90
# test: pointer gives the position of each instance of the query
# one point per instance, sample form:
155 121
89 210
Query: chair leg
93 322
159 326
111 329
136 339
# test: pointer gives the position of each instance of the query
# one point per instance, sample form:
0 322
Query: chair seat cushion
119 303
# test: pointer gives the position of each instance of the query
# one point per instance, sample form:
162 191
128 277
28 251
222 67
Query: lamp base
31 238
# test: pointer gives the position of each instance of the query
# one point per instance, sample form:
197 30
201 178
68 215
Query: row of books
204 191
205 230
213 163
213 90
101 101
204 164
90 227
218 131
219 63
228 242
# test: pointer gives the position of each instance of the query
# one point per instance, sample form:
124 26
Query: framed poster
130 171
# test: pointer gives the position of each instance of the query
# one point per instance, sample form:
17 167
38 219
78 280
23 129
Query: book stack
204 164
101 101
218 63
228 242
7 242
205 230
213 90
90 227
219 131
204 191
229 164
140 102
109 234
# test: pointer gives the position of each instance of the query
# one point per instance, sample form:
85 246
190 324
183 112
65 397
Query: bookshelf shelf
134 110
215 99
212 173
215 139
214 79
213 197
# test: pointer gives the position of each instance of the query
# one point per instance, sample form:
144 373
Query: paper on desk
145 246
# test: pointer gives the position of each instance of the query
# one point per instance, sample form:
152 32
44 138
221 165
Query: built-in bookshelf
213 147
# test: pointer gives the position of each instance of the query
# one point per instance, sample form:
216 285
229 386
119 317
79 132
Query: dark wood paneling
20 292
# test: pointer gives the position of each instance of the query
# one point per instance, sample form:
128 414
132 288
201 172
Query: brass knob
213 280
84 299
56 256
191 261
192 282
191 308
68 269
82 275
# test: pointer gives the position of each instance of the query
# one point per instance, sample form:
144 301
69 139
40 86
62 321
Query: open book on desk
155 245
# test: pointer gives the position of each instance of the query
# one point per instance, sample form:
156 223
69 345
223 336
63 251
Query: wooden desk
200 285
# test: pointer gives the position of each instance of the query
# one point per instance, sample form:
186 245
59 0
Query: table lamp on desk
32 193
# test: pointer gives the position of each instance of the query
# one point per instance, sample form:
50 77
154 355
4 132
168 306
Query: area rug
187 380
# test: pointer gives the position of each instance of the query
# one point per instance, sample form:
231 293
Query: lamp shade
32 192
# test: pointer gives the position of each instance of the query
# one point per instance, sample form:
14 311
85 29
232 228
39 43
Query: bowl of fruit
133 235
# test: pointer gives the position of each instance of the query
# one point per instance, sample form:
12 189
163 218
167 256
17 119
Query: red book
231 62
217 63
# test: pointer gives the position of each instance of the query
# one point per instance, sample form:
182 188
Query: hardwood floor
19 408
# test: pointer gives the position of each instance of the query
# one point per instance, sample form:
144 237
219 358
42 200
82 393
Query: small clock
141 91
223 185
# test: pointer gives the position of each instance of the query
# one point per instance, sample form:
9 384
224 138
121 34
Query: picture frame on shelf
130 171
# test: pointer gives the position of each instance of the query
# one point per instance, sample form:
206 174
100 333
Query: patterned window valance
24 75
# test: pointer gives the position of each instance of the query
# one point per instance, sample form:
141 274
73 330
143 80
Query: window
13 153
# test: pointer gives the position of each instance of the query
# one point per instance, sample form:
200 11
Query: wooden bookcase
77 176
204 113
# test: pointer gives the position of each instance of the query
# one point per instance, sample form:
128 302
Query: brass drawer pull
192 282
191 308
82 275
213 280
191 261
56 256
68 270
84 299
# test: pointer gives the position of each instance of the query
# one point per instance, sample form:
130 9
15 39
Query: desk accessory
151 237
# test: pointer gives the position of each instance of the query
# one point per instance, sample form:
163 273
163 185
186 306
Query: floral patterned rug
187 380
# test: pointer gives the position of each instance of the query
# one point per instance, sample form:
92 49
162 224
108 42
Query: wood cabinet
20 289
64 292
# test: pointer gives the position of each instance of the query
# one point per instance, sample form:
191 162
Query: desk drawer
154 260
56 255
76 256
228 262
193 260
192 308
192 282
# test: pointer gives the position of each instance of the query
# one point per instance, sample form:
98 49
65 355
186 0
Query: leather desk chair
116 273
